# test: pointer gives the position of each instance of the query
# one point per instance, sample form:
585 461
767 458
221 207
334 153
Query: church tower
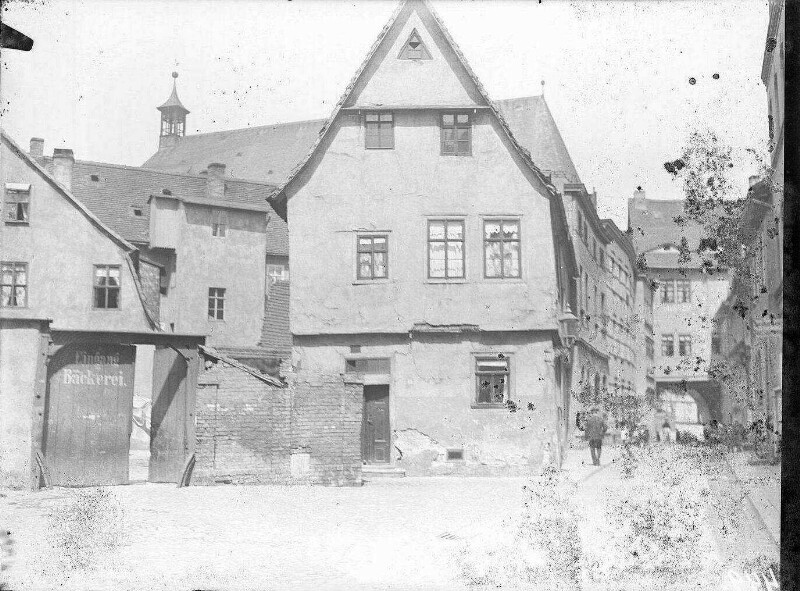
173 118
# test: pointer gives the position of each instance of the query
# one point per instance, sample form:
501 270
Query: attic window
414 48
137 211
94 177
166 192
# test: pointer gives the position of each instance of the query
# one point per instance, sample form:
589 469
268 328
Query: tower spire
173 118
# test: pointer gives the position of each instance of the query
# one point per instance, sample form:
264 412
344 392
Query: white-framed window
501 243
277 273
219 223
13 284
216 303
492 380
16 203
446 249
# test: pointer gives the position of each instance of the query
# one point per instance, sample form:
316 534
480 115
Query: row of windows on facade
14 285
455 132
600 383
492 376
668 345
615 268
106 289
675 291
446 252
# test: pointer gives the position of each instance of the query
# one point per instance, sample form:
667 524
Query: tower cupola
173 118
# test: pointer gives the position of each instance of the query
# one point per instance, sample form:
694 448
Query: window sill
504 279
15 223
482 406
372 281
441 280
106 309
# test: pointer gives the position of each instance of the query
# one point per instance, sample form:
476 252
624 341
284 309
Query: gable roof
127 247
406 5
268 152
534 127
652 225
119 189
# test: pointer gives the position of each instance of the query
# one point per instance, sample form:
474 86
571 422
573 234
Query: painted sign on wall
89 414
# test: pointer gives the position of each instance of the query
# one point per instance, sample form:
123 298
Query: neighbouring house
215 245
689 288
431 259
63 270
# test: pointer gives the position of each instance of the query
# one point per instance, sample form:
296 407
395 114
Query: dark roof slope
533 126
119 190
275 334
652 226
268 152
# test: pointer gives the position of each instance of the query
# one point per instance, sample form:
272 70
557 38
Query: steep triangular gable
389 79
279 196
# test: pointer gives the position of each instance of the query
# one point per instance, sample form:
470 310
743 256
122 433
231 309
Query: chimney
37 147
754 180
639 199
63 161
215 182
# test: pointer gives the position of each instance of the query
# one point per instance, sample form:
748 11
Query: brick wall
250 431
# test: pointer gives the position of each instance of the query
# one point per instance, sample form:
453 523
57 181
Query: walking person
595 431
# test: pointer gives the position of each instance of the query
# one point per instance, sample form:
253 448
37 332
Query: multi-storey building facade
440 268
749 327
190 228
606 350
688 294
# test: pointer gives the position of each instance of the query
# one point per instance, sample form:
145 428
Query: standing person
595 431
666 432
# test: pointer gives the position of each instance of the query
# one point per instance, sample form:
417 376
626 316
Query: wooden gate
376 431
169 436
88 407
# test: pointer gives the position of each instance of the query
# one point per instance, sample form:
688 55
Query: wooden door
169 444
376 438
88 408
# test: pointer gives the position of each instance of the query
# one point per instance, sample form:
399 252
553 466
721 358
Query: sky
616 73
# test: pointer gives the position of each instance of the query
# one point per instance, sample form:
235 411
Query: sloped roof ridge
166 172
256 127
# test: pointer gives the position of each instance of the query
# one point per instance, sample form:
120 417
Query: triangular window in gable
414 48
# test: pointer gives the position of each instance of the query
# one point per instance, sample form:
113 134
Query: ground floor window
492 379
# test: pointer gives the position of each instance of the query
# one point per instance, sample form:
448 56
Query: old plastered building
64 272
688 292
750 324
431 258
215 245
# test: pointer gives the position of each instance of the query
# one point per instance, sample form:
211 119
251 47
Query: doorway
376 432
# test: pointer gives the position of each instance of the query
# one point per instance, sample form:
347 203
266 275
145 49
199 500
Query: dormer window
414 48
